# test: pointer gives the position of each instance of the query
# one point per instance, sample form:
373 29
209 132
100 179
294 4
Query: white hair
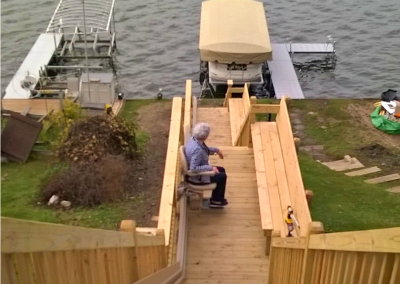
201 131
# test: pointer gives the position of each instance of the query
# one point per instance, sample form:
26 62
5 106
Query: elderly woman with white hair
197 153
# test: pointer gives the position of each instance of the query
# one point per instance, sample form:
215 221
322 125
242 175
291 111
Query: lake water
158 42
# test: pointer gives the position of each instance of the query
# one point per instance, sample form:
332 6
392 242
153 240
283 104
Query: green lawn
21 184
19 196
345 203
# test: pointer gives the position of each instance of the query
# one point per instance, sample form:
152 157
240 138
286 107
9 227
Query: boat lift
283 73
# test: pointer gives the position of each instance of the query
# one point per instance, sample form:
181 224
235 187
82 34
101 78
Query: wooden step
363 172
383 179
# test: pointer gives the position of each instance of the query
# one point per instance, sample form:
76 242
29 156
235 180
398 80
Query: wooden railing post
308 260
228 94
187 120
129 226
252 118
274 270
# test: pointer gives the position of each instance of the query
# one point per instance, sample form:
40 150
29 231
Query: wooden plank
292 243
246 99
395 189
259 280
395 277
264 108
383 179
363 172
170 172
295 181
228 93
20 236
225 253
237 90
317 267
272 183
263 196
37 106
382 240
386 269
374 271
233 114
243 135
243 267
351 258
195 111
280 172
188 111
8 273
215 276
24 268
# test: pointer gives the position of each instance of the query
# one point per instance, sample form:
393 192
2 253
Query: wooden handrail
168 193
383 240
371 256
292 168
22 236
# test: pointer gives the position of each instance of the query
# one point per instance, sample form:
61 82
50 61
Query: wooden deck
42 107
218 118
227 245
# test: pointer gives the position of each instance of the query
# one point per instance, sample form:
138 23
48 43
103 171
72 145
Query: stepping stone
383 179
310 148
395 189
348 163
363 172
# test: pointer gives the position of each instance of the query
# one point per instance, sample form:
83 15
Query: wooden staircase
228 245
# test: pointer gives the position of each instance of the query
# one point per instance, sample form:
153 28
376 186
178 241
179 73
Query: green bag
384 124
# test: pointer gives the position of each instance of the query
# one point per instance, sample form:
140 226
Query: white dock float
310 48
283 74
39 55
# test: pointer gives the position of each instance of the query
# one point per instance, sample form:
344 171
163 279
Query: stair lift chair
196 192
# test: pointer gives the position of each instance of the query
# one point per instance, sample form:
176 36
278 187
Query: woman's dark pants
218 193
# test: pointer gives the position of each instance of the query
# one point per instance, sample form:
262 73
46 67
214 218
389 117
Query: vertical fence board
355 274
375 268
101 272
349 264
395 277
8 273
39 267
316 276
340 268
366 266
24 268
324 266
386 269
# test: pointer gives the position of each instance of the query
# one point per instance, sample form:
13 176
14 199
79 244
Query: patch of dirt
154 119
377 151
362 113
381 148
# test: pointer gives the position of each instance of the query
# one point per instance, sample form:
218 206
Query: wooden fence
181 121
364 257
35 252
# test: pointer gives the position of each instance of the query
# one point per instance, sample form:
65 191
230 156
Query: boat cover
234 31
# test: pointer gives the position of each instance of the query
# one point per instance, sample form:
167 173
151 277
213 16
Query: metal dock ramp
281 67
283 74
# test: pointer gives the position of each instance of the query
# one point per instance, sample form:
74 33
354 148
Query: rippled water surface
158 42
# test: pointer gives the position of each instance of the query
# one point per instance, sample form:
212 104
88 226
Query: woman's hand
219 153
215 170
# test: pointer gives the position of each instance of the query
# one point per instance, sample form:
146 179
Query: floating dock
40 55
283 74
